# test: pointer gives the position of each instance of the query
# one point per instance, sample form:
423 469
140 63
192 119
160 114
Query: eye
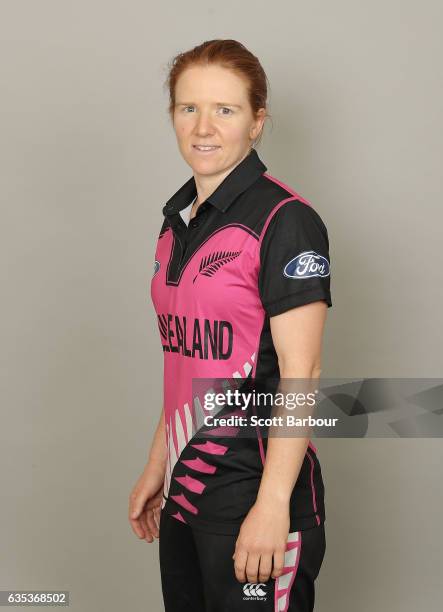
186 107
225 108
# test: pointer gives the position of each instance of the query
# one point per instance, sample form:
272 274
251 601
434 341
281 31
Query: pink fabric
190 483
289 189
199 465
314 498
283 586
179 517
193 301
183 501
211 447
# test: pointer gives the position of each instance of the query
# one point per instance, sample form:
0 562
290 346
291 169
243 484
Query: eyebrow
217 103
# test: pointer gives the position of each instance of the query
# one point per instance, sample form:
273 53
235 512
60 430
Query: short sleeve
294 259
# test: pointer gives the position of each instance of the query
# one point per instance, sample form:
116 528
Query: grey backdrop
88 159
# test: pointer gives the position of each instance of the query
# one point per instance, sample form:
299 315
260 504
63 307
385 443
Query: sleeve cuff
297 299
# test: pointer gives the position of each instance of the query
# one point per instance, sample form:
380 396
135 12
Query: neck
208 184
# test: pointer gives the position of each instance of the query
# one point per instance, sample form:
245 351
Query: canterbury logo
254 589
211 263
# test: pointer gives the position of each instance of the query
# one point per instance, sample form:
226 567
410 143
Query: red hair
229 54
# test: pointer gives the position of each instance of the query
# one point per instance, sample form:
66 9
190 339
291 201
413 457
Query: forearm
285 455
158 451
284 458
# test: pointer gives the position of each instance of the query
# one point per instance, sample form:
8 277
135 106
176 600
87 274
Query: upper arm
294 282
297 336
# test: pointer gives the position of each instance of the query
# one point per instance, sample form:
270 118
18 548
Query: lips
205 148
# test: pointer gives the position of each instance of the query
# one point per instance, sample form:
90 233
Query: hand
262 540
145 503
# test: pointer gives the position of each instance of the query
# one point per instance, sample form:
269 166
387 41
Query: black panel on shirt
294 259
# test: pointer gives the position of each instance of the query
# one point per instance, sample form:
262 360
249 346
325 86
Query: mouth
206 149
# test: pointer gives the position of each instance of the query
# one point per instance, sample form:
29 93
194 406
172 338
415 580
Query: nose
204 125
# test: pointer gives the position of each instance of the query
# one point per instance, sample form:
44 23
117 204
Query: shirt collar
236 182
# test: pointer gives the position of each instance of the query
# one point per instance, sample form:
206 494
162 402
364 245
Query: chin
205 167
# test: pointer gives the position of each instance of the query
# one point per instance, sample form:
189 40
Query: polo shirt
254 250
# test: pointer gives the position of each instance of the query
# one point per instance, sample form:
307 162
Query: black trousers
197 572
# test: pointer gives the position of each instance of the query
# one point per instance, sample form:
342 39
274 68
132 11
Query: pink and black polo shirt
254 250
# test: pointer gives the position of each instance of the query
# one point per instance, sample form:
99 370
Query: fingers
265 568
136 520
151 524
252 567
157 513
240 557
144 510
279 563
147 525
136 505
137 528
245 564
144 522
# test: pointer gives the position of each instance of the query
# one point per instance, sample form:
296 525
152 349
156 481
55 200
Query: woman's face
212 109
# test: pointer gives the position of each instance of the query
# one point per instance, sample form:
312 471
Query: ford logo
307 265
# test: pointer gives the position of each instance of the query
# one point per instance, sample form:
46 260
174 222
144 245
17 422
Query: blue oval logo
307 265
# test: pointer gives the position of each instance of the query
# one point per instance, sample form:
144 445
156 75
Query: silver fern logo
254 590
213 262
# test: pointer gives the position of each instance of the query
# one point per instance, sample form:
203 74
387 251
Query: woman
241 290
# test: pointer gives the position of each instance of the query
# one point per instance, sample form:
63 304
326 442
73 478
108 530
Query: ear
258 124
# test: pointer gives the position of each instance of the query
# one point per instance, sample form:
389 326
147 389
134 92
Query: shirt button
195 223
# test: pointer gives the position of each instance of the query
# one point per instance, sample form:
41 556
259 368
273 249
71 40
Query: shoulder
284 207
